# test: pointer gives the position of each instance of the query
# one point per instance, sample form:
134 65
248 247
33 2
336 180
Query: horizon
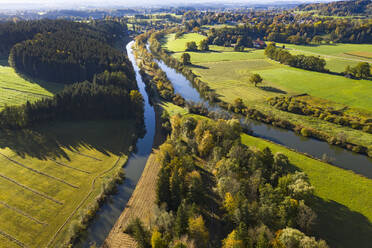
86 4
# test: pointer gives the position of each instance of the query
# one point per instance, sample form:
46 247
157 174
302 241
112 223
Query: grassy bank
47 174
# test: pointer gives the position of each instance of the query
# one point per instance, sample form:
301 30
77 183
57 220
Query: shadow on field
272 89
52 141
199 66
340 226
4 62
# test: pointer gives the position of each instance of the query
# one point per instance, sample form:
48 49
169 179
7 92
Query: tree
191 46
198 232
363 70
255 79
203 45
186 59
233 241
139 233
157 241
181 225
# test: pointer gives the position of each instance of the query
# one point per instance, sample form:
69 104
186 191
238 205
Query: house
259 44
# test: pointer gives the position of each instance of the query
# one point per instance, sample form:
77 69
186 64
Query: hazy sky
20 4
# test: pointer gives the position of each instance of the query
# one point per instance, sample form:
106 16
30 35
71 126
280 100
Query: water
340 157
110 211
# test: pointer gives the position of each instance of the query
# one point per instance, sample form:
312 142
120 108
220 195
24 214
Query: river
112 208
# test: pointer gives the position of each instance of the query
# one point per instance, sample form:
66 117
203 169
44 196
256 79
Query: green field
227 73
46 173
337 56
343 199
15 90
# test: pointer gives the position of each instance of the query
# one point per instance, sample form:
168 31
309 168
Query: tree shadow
51 141
272 89
199 66
340 226
4 61
53 88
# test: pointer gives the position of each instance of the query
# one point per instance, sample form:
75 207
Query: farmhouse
259 44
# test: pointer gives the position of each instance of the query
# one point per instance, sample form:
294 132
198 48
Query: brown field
140 205
367 55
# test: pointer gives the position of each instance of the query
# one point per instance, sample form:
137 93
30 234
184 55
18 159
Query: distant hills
340 8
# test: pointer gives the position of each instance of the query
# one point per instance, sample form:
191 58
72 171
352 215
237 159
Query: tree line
79 101
311 63
256 202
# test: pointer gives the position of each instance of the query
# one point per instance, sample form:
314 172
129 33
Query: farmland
15 90
50 174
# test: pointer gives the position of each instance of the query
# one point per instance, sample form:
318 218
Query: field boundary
73 168
39 172
12 239
32 190
22 213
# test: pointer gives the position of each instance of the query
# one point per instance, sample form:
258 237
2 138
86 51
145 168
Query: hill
340 8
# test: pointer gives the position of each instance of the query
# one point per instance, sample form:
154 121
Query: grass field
15 90
343 199
46 173
337 56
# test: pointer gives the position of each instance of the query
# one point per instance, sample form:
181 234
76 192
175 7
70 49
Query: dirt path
141 205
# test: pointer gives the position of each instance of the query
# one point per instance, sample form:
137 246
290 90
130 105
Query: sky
39 4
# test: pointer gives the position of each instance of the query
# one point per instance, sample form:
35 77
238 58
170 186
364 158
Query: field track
32 190
22 213
39 172
12 239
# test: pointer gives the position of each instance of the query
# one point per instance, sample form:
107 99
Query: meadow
50 174
337 56
16 90
342 198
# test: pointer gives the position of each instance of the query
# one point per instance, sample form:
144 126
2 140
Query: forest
101 79
213 190
340 8
285 28
81 50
